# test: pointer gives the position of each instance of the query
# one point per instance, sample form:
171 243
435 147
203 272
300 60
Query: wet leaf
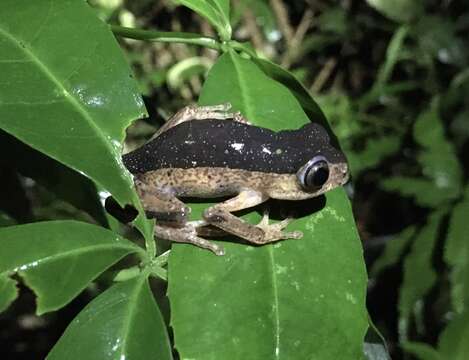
291 300
124 322
68 92
58 259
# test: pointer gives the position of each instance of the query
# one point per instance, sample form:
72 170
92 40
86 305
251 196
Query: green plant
67 92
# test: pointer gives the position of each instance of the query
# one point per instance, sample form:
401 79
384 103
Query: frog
210 152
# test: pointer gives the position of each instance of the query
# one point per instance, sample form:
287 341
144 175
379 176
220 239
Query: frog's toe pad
274 232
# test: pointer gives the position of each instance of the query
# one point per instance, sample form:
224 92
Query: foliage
390 77
68 94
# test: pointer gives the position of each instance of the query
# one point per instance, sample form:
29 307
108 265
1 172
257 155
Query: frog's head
321 174
325 168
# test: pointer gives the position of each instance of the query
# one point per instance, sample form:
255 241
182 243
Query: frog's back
228 144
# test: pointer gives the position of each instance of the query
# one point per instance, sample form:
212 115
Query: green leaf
398 10
58 259
375 150
67 91
422 351
290 300
8 291
285 78
392 57
419 275
438 36
6 220
217 12
453 342
393 251
457 255
375 352
438 159
423 190
186 69
124 322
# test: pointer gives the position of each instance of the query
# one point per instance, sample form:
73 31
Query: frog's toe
240 118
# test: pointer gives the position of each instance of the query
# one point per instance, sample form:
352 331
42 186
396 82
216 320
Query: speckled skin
207 182
206 152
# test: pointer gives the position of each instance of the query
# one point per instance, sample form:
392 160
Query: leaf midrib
65 254
67 95
244 90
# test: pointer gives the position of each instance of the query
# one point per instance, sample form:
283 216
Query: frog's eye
314 173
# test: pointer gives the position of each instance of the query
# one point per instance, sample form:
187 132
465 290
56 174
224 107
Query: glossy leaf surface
66 89
291 300
124 322
217 12
58 259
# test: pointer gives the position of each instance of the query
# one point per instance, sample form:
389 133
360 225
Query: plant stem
166 37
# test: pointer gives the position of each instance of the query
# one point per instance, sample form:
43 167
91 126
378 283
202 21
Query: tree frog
209 152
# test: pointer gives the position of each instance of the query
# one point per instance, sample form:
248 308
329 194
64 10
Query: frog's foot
274 232
218 112
187 234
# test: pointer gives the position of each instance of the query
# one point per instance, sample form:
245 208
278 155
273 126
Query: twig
294 46
323 75
281 14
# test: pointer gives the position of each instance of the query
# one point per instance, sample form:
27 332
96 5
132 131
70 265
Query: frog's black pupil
318 174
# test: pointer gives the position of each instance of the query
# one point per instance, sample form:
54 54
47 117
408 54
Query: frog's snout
342 173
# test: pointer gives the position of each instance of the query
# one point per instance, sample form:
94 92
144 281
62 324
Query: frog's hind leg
187 234
194 112
220 216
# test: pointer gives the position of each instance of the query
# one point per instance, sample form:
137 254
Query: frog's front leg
220 216
172 215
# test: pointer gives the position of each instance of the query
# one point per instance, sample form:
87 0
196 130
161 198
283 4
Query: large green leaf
66 89
58 259
457 255
217 12
296 299
124 322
